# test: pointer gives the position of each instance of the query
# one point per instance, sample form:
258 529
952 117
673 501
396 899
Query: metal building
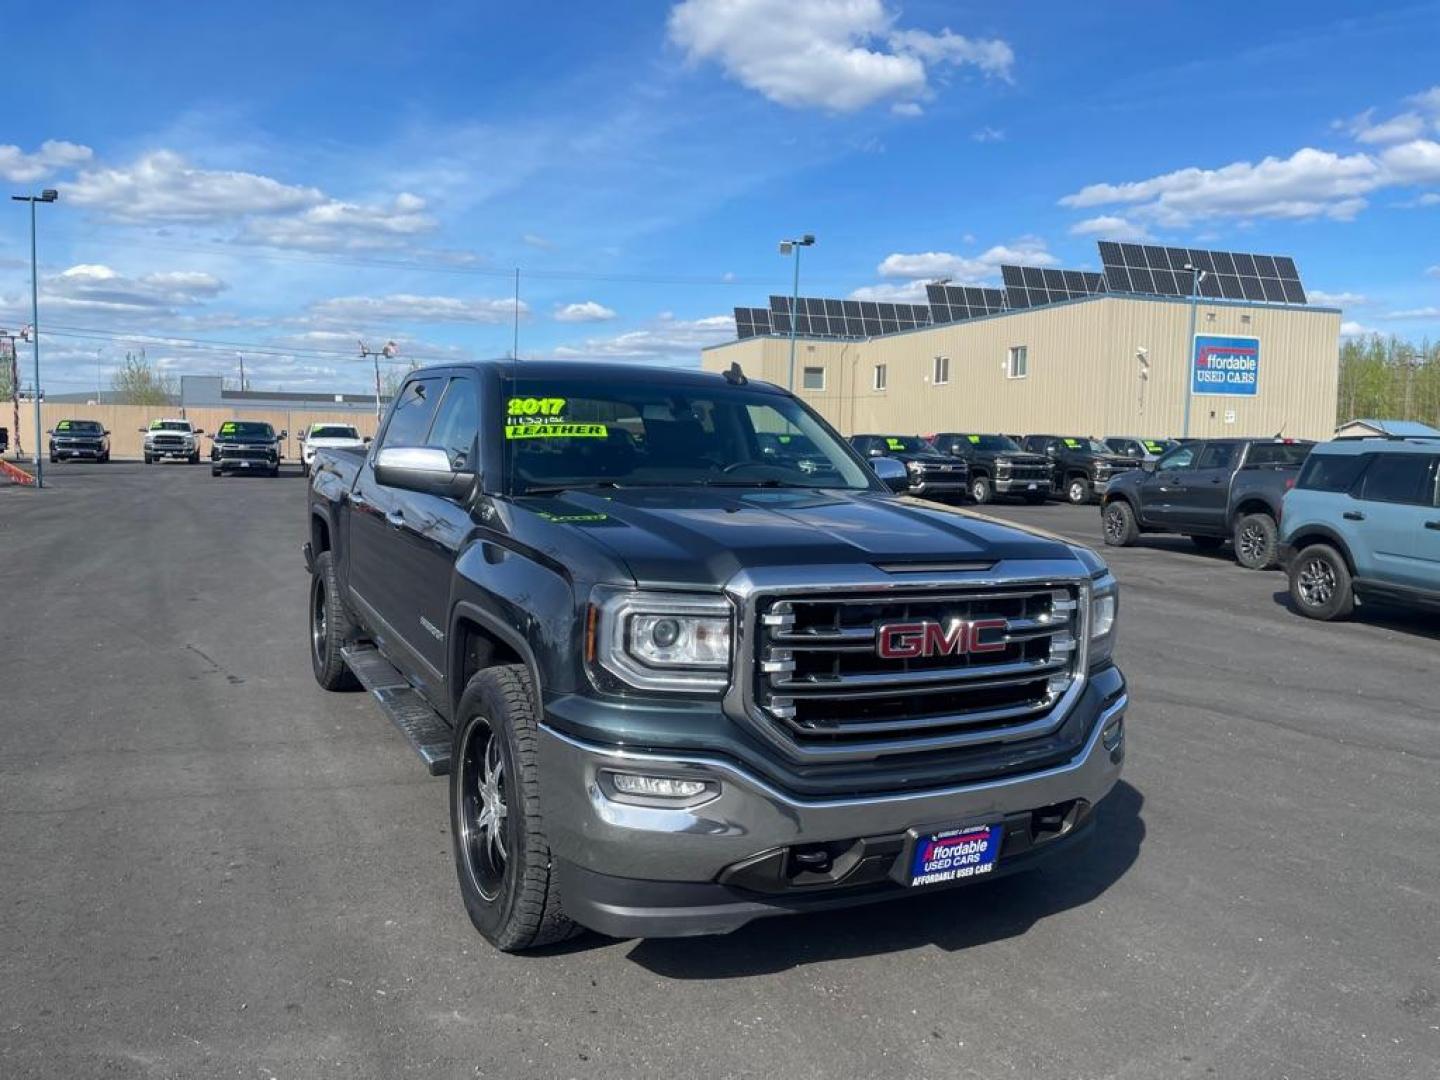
1066 352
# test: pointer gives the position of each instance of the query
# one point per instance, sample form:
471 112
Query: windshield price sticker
896 444
973 438
956 854
63 425
1154 447
558 430
227 428
1072 443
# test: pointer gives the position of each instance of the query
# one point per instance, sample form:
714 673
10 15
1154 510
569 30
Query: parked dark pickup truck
997 466
1081 468
932 474
245 446
679 685
1212 490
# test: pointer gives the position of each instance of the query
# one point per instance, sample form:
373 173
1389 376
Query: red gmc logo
911 640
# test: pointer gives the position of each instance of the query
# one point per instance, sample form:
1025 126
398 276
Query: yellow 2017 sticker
533 406
556 431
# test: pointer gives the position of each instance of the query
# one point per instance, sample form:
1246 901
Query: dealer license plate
955 854
1033 486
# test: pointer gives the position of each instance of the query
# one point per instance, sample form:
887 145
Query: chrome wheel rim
978 491
483 810
1077 491
319 619
1114 525
1251 543
1316 583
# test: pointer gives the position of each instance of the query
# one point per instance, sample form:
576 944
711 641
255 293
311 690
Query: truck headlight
661 641
1104 610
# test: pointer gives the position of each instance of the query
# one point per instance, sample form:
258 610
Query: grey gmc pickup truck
679 683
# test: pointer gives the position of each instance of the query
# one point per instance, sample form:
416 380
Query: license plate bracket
945 856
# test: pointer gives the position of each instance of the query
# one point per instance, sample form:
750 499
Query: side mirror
1147 466
368 440
198 431
143 431
107 431
421 468
891 473
283 434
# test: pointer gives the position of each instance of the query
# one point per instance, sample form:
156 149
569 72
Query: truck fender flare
465 609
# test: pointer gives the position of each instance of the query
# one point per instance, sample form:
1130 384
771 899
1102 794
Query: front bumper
1010 485
939 487
643 871
244 464
62 452
185 452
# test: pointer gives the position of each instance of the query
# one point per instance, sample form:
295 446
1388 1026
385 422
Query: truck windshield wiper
560 489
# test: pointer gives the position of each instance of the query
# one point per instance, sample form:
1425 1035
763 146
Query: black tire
1257 541
274 471
1208 543
105 460
1320 584
194 458
1120 526
149 460
214 471
981 490
54 460
507 879
1078 491
330 627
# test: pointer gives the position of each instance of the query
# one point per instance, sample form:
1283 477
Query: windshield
79 427
169 425
576 433
1002 443
334 431
1092 445
243 429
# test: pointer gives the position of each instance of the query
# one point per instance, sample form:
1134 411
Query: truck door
1161 486
381 573
1202 500
1398 510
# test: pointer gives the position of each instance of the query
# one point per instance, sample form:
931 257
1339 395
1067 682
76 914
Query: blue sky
279 180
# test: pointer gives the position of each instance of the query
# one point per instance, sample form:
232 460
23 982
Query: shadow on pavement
952 919
1415 621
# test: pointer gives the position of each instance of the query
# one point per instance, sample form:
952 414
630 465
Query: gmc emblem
911 640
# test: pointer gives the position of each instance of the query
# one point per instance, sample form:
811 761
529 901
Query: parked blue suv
1363 523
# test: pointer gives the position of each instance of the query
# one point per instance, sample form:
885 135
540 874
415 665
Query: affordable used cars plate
955 854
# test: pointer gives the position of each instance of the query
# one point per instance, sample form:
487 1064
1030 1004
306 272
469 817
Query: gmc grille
822 684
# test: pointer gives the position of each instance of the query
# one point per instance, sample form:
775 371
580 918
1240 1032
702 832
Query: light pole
388 351
8 355
788 247
1196 276
49 195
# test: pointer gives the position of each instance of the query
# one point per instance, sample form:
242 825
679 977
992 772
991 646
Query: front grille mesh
821 681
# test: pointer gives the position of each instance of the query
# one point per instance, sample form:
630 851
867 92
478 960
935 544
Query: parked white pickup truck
171 438
327 436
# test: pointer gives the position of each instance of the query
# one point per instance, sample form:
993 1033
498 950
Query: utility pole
49 195
388 351
9 355
242 373
788 247
515 338
1196 276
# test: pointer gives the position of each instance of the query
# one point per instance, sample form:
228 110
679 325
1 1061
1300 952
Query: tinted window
1217 456
410 419
457 423
1278 453
1398 478
1331 472
1181 457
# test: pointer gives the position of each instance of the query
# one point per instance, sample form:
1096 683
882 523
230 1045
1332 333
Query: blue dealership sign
1225 365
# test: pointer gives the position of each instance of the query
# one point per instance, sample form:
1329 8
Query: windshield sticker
63 425
530 406
973 438
1154 447
895 444
227 428
1072 443
556 431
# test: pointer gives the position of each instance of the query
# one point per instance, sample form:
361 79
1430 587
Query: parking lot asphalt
210 867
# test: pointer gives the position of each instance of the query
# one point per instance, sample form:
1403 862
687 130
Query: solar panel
1035 286
956 303
1231 275
751 322
815 316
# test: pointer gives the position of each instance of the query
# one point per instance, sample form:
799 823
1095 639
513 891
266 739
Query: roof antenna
735 377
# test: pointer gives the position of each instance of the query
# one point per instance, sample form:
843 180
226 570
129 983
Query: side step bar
425 731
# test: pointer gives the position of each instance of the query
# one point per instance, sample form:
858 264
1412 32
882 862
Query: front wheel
1121 529
149 459
1256 541
501 852
195 458
981 490
1077 491
1320 584
330 627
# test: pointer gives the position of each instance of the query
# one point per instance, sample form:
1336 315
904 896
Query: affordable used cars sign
1225 365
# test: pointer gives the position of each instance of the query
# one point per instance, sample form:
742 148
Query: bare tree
137 383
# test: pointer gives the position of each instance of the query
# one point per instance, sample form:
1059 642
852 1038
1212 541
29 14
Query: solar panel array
1035 286
956 303
1144 269
1229 275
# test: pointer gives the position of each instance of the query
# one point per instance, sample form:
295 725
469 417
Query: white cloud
1111 227
162 186
584 311
841 55
910 292
965 269
1431 312
1355 329
96 289
22 168
407 308
1337 299
907 108
535 240
667 340
1414 162
1433 271
1427 100
988 134
344 226
1363 127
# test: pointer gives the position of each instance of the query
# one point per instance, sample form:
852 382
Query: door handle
358 500
395 519
1353 515
1433 525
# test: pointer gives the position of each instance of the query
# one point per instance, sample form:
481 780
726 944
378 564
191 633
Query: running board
425 731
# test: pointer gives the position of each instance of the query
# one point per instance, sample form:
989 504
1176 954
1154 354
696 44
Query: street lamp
1196 276
49 195
388 351
788 247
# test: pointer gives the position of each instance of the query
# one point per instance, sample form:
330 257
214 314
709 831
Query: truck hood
698 537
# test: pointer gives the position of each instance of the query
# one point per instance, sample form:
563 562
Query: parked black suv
245 446
997 466
932 474
1081 468
75 439
678 685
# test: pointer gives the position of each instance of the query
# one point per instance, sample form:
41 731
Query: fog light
1114 733
657 787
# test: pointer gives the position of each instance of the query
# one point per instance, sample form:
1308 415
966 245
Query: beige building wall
1083 375
125 422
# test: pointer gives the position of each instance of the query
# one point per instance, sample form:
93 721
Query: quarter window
1331 472
1018 365
941 372
813 378
414 408
1399 478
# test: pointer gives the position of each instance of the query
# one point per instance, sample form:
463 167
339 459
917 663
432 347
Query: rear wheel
214 471
1256 541
1208 543
1121 529
149 459
330 627
502 855
981 490
195 458
1077 490
1320 584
